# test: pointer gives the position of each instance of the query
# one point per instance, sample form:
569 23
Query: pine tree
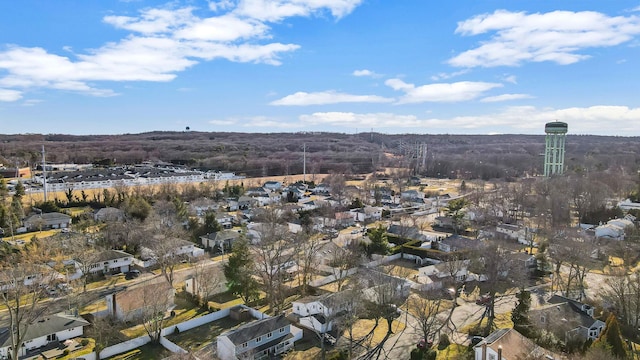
520 314
610 338
239 270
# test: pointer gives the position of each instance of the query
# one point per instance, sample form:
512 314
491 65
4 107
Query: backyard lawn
145 352
201 336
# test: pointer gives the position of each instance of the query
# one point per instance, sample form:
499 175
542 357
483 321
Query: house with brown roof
131 303
508 344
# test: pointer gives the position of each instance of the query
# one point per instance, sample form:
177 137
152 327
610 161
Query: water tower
554 148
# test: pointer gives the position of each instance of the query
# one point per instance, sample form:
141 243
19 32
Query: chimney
499 352
484 351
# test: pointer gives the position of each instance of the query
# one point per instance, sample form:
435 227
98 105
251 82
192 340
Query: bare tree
208 279
623 293
308 247
342 262
23 281
499 272
425 308
273 254
156 300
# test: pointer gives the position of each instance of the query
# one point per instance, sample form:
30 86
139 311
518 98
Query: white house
184 249
48 329
260 339
627 204
112 262
514 232
613 229
319 312
438 275
272 185
53 220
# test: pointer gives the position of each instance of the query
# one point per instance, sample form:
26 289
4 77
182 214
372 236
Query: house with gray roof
54 220
45 331
568 319
260 339
219 239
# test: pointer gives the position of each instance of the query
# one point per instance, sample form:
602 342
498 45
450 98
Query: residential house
614 229
408 232
321 189
183 250
256 191
109 214
44 221
131 304
111 262
568 319
527 261
223 239
246 202
444 222
627 205
44 331
458 243
508 344
225 220
513 232
344 219
411 195
320 312
443 274
368 213
260 339
272 185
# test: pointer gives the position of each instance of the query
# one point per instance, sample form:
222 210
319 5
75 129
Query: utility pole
304 163
44 175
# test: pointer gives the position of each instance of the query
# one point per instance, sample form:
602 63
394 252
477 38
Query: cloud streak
327 97
440 92
556 36
514 119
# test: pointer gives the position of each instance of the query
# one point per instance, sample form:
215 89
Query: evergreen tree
379 241
520 314
239 270
610 338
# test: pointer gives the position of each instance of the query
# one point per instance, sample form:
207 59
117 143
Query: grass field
201 336
145 352
364 326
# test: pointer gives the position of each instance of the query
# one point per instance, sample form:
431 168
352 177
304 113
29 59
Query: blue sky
394 66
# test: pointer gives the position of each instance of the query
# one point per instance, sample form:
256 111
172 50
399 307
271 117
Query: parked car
484 299
328 339
132 274
424 344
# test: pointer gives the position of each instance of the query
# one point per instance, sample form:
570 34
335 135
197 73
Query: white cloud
510 79
441 92
515 119
10 95
365 72
327 97
506 97
444 76
555 36
163 42
277 10
267 122
31 102
220 5
222 122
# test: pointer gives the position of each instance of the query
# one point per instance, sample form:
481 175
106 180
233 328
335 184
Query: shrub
65 352
84 342
443 342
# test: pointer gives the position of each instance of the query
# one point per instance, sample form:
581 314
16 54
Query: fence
124 346
171 346
190 324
